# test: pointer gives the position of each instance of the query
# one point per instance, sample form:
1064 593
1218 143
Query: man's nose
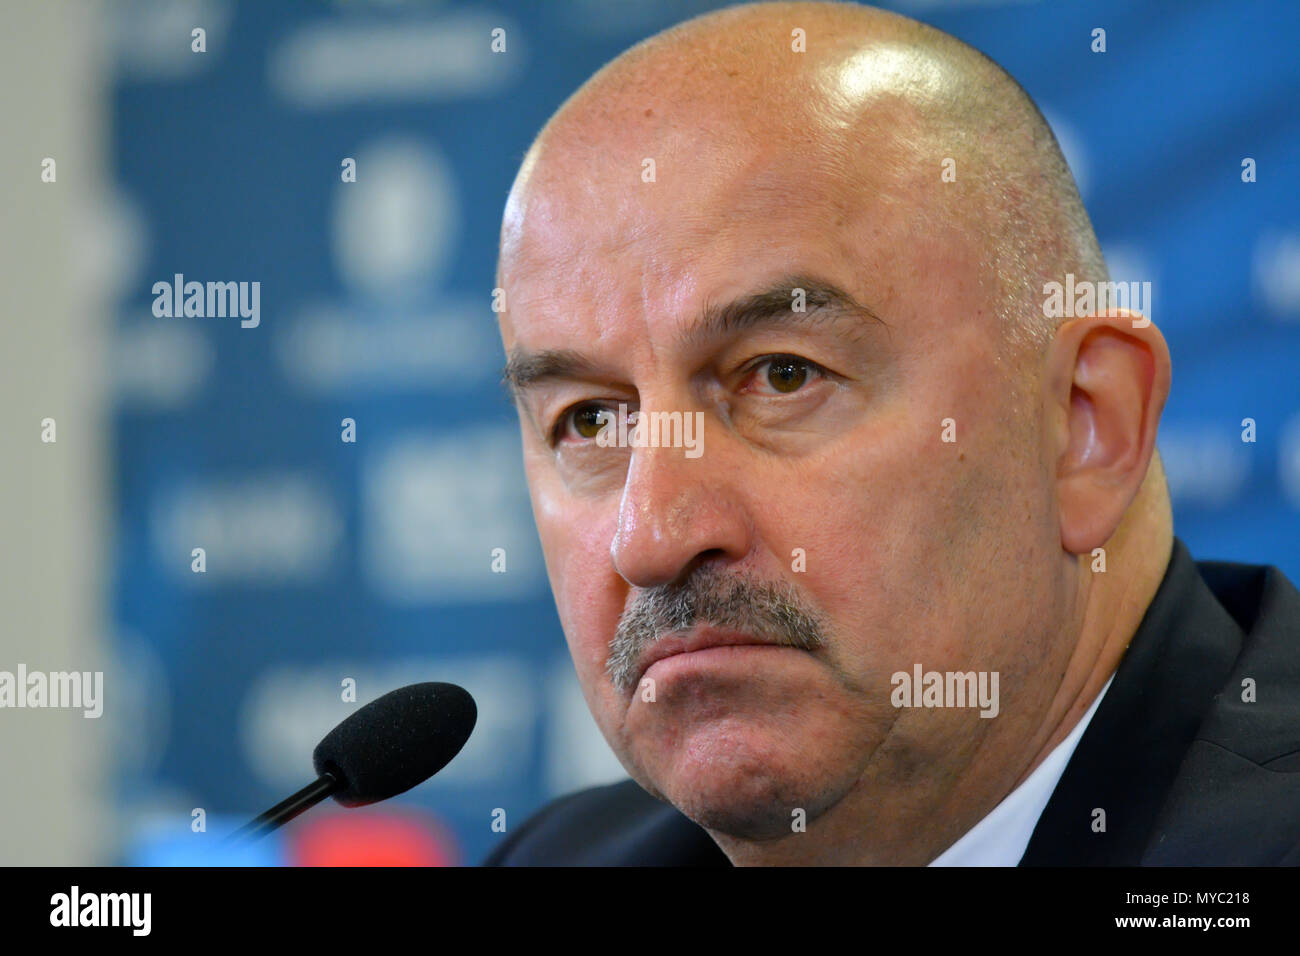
676 512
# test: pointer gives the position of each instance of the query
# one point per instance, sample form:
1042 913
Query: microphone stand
287 809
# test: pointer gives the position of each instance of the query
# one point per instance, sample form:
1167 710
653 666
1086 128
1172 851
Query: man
908 593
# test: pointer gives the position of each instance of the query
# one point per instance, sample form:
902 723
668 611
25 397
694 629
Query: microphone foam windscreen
397 741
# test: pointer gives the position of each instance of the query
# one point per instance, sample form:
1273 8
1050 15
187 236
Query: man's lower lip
707 655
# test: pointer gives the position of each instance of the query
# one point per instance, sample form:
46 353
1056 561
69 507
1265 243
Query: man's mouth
698 638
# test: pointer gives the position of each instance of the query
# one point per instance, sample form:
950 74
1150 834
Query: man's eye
786 373
584 421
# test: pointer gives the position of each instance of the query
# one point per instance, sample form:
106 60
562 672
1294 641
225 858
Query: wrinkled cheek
587 596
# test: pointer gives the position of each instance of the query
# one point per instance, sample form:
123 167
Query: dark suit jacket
1187 772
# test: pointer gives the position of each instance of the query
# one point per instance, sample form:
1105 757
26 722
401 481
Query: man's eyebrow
773 305
526 370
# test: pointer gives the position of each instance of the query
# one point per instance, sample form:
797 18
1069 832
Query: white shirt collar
1001 837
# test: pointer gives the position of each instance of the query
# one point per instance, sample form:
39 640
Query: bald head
866 91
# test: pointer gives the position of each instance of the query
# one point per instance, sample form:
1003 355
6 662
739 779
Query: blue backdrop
371 560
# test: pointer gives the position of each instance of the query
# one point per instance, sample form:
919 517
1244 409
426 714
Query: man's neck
1116 601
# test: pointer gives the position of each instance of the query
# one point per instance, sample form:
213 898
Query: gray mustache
721 599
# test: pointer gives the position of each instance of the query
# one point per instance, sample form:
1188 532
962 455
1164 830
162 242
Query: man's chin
744 791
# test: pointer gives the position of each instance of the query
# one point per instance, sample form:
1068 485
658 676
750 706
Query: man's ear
1107 383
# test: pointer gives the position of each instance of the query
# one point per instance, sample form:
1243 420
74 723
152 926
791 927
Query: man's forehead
642 189
665 288
689 216
586 225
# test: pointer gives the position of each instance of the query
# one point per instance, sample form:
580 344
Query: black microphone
390 745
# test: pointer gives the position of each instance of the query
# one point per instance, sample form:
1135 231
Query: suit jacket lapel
1126 761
